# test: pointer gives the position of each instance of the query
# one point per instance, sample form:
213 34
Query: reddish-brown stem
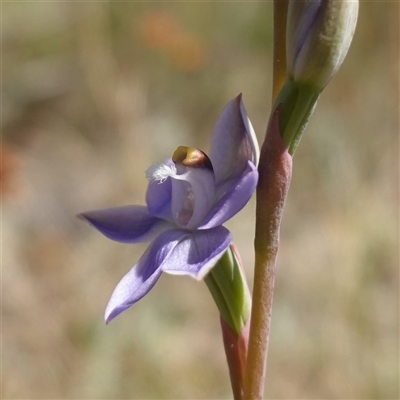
236 355
275 171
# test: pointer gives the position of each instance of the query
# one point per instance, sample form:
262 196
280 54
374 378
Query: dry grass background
92 94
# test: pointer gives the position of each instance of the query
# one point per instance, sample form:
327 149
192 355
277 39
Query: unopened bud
318 36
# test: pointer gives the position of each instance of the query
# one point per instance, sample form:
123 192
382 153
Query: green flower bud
318 36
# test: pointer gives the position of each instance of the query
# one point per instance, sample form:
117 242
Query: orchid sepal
126 224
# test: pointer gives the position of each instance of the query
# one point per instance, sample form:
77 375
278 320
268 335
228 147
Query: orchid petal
127 224
197 253
143 276
233 142
235 198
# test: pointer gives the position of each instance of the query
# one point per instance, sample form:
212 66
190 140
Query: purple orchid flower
189 197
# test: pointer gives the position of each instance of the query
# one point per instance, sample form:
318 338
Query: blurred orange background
95 92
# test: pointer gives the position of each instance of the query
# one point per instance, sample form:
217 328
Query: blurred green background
95 92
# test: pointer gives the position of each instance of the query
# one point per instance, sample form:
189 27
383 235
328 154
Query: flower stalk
275 171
